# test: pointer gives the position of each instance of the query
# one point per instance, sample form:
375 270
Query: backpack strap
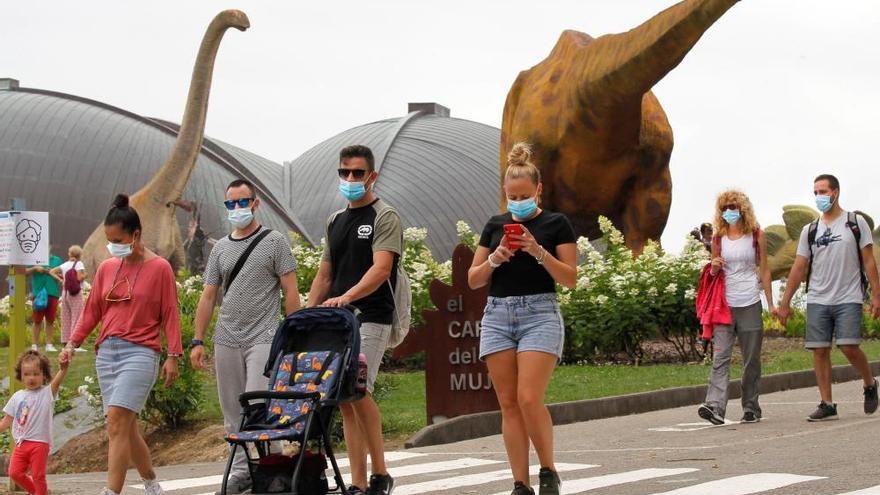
852 222
241 259
811 239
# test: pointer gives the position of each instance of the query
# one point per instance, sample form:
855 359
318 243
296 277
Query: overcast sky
774 93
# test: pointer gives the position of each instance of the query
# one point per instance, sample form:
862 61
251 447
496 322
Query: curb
478 425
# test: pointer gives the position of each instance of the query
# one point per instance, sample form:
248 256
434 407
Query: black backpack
853 224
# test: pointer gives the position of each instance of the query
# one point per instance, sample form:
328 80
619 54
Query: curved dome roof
69 156
434 169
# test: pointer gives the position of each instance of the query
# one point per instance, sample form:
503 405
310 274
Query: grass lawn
83 364
401 395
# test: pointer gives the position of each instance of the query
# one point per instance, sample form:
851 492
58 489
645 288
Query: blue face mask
240 217
352 191
823 202
730 216
522 209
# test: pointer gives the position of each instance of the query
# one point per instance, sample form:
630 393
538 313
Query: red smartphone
512 229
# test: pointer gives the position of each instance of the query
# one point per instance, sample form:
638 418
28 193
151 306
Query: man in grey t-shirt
250 310
829 254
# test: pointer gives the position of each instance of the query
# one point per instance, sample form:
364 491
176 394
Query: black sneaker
825 412
380 484
354 490
750 417
871 398
520 488
549 482
710 415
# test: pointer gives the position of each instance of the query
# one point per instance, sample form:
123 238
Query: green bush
619 301
170 406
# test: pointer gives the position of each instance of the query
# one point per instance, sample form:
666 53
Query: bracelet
492 264
174 355
543 255
196 342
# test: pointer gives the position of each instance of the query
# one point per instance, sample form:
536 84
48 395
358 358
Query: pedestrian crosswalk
423 473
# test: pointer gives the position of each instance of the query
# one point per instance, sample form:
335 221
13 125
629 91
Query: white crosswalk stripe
476 479
431 473
436 467
393 456
743 485
570 487
874 490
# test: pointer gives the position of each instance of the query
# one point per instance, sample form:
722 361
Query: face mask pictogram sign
456 381
24 238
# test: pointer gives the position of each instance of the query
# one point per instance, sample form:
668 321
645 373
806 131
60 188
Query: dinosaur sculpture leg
646 210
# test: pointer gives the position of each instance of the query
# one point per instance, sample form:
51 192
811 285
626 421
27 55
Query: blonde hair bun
520 154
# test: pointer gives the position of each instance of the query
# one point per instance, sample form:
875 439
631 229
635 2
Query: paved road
663 452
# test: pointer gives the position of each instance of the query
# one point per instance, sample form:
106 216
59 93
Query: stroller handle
353 309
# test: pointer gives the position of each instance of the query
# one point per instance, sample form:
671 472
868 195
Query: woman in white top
71 304
738 248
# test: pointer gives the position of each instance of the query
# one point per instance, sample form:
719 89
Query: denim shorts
524 323
843 322
126 373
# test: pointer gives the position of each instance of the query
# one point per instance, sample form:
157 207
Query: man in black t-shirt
363 248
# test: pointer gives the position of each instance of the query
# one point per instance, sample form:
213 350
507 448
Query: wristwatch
196 342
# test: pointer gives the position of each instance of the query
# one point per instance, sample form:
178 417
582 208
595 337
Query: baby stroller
313 366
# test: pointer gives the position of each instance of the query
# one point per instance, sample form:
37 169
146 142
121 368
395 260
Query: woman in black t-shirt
522 255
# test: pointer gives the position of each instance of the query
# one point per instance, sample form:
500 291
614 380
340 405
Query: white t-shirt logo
364 231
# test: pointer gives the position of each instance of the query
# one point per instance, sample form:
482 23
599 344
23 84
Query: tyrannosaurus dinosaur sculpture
155 202
599 136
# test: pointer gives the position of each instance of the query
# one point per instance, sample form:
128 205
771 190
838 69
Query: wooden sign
456 381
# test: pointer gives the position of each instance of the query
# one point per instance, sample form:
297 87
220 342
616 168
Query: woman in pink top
134 298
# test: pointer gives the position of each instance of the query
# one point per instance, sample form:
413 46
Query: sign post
24 237
24 240
456 381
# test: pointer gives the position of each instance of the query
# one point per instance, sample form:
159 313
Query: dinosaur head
235 18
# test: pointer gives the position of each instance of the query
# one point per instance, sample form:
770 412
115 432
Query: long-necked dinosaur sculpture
599 135
155 201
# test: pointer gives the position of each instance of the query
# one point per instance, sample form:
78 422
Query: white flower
595 257
415 234
690 293
616 237
82 390
671 288
634 291
584 246
564 298
463 229
652 292
601 299
583 282
88 379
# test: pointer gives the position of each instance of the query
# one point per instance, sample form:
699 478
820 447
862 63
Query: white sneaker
152 487
35 347
51 348
80 349
107 491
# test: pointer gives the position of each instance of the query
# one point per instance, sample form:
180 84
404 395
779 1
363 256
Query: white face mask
119 250
240 217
